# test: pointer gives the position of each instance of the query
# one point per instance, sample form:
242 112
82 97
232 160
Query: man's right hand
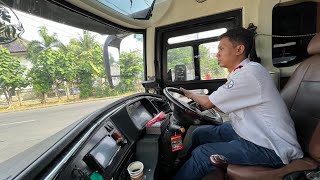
202 100
187 93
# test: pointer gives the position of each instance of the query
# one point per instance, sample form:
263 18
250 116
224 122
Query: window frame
297 51
223 20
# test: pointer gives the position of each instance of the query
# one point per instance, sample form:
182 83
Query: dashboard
118 140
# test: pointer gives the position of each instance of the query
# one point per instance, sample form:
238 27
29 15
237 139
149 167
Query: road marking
16 123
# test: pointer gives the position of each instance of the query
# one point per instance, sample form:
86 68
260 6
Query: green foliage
89 62
96 62
35 47
86 89
43 71
65 67
79 63
12 73
180 56
52 66
184 56
99 92
70 70
131 69
209 65
110 92
105 91
41 81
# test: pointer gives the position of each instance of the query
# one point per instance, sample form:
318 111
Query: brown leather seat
302 96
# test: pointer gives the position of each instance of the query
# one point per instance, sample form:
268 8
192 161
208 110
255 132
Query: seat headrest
314 45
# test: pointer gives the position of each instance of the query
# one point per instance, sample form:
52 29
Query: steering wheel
209 116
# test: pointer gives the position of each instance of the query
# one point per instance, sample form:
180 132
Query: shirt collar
244 62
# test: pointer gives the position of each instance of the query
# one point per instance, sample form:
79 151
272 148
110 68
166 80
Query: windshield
132 8
58 66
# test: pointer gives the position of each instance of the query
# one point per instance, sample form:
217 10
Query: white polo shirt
257 111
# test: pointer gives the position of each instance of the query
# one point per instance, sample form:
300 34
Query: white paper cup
135 170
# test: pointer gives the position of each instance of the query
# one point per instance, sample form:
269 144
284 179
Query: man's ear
240 49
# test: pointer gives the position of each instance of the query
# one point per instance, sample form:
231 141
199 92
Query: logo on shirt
229 84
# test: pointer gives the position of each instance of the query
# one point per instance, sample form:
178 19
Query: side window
186 52
289 21
198 60
180 64
209 67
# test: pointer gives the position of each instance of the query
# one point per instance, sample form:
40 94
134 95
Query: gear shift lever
221 164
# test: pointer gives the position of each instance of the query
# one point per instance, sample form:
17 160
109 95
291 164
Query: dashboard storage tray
158 127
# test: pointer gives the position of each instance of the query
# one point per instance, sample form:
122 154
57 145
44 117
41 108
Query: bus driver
260 132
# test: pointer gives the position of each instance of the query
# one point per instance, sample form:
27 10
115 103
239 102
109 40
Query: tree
35 47
209 65
184 56
12 75
70 70
180 56
89 60
89 52
131 69
42 73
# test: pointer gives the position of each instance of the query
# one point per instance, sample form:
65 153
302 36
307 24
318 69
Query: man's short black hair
240 36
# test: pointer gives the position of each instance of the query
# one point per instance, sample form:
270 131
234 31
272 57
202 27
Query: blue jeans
223 140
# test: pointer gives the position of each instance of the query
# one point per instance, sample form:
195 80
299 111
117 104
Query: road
23 129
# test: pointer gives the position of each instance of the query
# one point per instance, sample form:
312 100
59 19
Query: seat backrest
302 96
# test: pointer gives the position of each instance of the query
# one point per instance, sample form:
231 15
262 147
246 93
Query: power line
70 36
62 32
47 25
147 3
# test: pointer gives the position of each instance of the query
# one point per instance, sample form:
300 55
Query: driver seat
302 96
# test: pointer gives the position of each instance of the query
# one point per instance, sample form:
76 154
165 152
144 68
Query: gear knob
219 162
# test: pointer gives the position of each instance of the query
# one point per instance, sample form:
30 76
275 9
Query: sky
64 32
31 25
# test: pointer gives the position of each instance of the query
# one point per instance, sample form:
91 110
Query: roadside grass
36 103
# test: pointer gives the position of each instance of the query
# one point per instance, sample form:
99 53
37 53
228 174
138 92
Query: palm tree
86 48
89 53
35 48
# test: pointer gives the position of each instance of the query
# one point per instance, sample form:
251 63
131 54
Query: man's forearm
203 100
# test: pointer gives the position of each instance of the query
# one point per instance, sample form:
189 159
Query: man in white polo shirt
260 132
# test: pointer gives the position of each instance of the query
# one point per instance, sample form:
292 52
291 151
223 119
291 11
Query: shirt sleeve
240 91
